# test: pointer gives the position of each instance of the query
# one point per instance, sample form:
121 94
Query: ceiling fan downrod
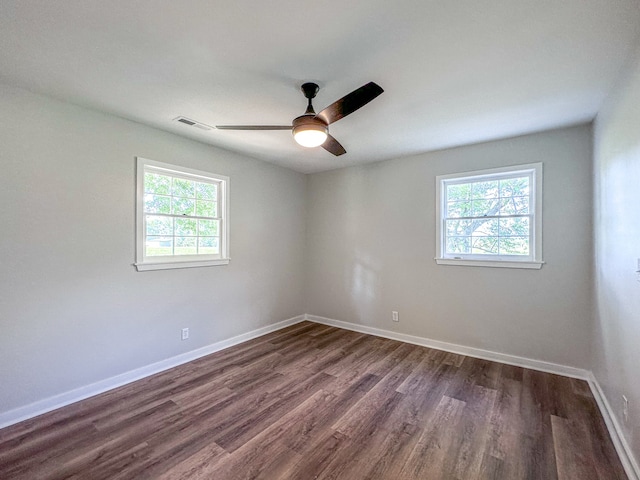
310 91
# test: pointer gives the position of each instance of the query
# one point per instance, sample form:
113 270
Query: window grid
171 242
475 222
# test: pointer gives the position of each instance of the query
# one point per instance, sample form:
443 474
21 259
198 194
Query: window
491 218
182 217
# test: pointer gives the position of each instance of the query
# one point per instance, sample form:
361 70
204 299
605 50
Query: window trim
534 261
144 263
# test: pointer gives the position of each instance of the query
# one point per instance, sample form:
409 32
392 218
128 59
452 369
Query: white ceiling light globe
310 138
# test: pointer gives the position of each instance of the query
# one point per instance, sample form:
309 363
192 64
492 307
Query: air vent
192 123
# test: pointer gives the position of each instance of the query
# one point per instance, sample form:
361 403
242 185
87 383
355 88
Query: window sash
197 236
487 256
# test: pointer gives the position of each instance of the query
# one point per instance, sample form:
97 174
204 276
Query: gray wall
616 348
73 310
371 245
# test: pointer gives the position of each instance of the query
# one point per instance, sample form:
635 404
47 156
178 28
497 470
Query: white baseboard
459 349
625 453
52 403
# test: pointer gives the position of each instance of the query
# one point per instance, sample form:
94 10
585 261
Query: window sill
489 263
143 267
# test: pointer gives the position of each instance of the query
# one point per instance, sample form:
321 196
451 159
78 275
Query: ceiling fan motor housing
309 122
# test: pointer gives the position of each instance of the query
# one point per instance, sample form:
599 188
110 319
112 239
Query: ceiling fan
311 129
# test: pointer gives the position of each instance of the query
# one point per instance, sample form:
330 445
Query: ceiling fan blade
331 145
350 103
253 127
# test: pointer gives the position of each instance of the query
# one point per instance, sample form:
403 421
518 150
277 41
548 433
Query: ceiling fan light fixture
311 129
310 135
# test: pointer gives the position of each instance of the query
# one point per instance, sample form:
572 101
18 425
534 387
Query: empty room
320 240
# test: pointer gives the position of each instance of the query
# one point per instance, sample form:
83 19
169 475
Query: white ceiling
454 72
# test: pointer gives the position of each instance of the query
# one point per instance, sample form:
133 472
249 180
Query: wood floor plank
572 458
428 460
317 458
320 329
365 442
492 468
316 402
320 418
580 387
585 411
475 423
362 414
419 403
395 447
117 443
505 423
198 466
361 354
267 460
177 447
251 423
539 459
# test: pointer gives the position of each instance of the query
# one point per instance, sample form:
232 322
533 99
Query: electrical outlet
394 316
625 409
185 333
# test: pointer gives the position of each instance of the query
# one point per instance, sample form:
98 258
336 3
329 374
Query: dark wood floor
317 402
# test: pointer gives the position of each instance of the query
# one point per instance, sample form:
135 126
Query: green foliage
158 251
458 244
208 227
514 187
514 245
155 183
481 190
185 246
479 235
518 226
205 208
159 246
185 226
183 206
171 235
459 192
514 206
159 225
486 245
157 203
183 188
206 191
209 245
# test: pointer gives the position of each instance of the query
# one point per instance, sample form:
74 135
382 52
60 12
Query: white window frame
532 261
143 262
